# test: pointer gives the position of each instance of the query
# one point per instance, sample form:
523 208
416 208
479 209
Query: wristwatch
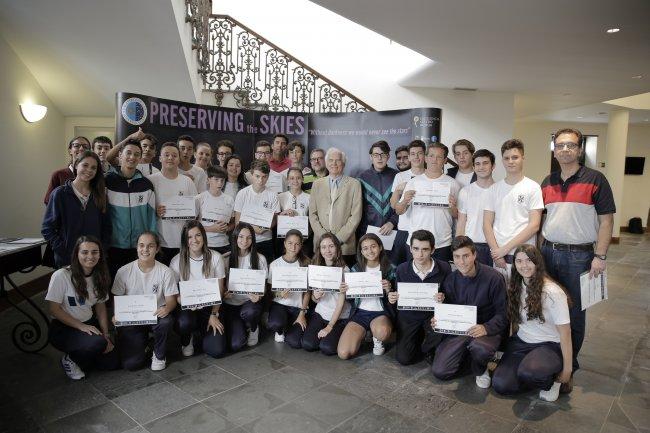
601 257
304 310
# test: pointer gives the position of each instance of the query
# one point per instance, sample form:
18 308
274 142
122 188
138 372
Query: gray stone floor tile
331 404
636 393
245 403
153 402
250 365
289 418
193 419
116 383
639 417
369 384
550 418
378 419
186 366
63 401
423 404
138 429
14 418
463 418
618 417
207 382
105 418
608 427
287 383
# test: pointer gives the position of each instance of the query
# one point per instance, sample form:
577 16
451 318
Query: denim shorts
364 317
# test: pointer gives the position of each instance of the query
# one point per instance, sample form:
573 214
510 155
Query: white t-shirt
159 281
147 169
555 310
470 203
217 268
244 263
436 220
266 199
199 175
293 299
403 177
170 230
371 304
61 291
327 304
464 179
231 189
300 204
511 204
211 209
277 182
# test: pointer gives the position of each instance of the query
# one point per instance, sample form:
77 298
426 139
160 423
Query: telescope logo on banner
134 111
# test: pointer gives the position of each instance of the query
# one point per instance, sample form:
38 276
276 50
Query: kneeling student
370 314
146 276
71 295
472 284
539 355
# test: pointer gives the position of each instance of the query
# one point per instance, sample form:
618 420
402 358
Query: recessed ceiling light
613 30
580 117
637 77
647 120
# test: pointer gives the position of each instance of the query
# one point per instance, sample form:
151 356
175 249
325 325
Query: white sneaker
552 394
189 349
71 368
158 364
279 338
484 381
378 347
253 337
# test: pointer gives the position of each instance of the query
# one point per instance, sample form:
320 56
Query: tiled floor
273 388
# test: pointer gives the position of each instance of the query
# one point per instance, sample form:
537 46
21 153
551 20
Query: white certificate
199 293
275 182
247 281
592 290
135 310
454 319
326 278
212 216
432 194
364 285
291 278
386 240
286 223
417 296
257 215
182 207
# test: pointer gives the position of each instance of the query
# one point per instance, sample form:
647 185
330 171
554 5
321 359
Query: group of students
499 269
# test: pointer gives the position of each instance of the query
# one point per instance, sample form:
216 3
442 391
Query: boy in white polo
216 209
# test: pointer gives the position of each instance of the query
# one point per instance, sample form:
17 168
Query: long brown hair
184 262
97 184
303 260
100 275
338 259
362 263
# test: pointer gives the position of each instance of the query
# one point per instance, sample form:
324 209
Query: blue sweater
486 290
406 274
377 187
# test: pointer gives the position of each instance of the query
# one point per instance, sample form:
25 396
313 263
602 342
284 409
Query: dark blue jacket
65 221
453 171
406 274
376 186
388 308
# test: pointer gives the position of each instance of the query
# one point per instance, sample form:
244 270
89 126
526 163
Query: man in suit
335 205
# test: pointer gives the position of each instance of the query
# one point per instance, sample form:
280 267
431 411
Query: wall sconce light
33 112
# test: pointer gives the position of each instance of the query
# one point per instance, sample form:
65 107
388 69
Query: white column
615 162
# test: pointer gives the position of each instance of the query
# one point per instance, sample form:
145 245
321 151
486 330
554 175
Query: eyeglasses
262 153
568 145
318 158
77 146
381 155
224 153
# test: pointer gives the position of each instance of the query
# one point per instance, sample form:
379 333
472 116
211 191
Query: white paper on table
275 182
256 215
417 296
247 281
454 319
432 194
386 240
364 285
181 207
326 278
592 290
135 310
286 223
291 278
199 293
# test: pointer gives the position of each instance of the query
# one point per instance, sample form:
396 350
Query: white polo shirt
61 290
266 199
209 207
300 203
170 230
470 203
403 177
159 281
555 310
217 268
244 263
199 176
293 299
327 304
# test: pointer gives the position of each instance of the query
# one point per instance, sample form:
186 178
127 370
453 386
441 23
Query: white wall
636 189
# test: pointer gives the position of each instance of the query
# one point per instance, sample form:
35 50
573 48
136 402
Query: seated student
76 147
258 195
214 202
146 276
332 309
197 262
71 295
370 314
415 337
472 284
241 313
101 146
236 180
539 354
77 208
203 155
288 312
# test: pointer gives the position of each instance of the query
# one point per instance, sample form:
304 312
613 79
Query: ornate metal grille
233 58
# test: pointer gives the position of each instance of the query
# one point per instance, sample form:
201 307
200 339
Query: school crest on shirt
266 205
520 199
180 193
155 288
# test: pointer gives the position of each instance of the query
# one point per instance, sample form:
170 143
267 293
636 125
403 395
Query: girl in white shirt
73 293
236 180
332 310
198 262
288 312
539 355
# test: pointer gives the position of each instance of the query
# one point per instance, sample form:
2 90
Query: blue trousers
281 320
453 350
236 319
132 341
329 344
87 351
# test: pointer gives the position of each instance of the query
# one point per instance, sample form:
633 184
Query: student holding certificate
332 310
73 293
198 262
215 210
372 314
288 312
295 202
483 287
146 276
539 354
241 313
415 337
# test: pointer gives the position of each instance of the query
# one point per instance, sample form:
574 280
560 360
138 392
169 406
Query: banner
351 132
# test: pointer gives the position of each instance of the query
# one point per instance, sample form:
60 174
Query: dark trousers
483 254
565 267
266 249
195 323
281 320
167 254
133 341
236 319
118 257
328 345
400 252
87 351
525 366
453 351
415 337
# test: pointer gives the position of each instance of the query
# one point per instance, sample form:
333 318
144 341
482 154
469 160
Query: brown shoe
566 388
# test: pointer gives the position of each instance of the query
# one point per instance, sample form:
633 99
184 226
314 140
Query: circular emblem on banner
134 111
